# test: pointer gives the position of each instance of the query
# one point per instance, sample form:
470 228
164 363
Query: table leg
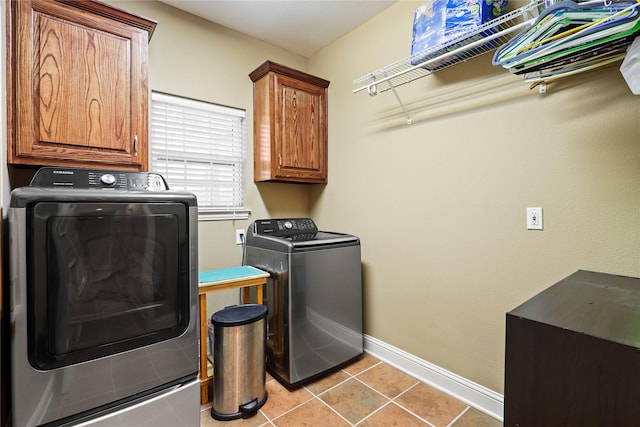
204 378
259 294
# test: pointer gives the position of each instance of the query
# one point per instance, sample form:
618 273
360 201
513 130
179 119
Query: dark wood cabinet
77 85
573 354
289 125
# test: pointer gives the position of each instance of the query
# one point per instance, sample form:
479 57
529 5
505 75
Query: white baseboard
475 395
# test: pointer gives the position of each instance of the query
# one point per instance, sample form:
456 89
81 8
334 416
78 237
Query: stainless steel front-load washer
103 301
313 296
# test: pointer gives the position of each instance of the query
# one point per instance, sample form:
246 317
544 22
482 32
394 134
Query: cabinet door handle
135 145
279 160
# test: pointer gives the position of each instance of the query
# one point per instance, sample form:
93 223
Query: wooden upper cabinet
289 125
77 85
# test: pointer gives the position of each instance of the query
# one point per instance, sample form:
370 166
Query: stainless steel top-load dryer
314 297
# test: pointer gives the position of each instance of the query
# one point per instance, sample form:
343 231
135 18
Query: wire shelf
485 38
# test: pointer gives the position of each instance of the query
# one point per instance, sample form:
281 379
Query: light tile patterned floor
367 393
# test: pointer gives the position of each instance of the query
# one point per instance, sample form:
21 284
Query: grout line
268 423
367 369
350 377
268 419
389 400
408 410
332 387
459 416
414 414
409 388
313 396
380 393
335 412
374 412
294 408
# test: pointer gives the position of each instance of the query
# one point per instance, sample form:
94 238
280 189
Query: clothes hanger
525 48
521 47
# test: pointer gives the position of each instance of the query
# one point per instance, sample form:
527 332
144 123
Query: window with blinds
200 147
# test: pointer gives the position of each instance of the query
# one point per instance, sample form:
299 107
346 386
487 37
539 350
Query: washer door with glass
105 278
103 305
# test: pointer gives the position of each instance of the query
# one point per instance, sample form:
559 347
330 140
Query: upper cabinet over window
77 85
289 125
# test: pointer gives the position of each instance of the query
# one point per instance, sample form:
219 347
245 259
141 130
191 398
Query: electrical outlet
239 236
534 218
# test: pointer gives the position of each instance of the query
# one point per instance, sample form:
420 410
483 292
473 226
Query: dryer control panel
284 227
98 179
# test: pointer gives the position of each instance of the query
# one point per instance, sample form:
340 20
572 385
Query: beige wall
191 57
440 205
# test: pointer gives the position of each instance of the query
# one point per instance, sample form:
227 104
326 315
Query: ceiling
299 26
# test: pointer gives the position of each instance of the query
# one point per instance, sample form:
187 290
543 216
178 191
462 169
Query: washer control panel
284 227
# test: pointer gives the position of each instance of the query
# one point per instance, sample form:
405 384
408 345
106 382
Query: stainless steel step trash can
239 353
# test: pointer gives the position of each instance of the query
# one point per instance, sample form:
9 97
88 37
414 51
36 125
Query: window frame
235 168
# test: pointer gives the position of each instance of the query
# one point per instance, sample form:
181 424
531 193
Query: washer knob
288 225
108 179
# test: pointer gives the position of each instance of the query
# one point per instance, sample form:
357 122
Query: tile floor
367 393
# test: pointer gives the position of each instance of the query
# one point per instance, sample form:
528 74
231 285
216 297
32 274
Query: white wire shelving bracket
483 39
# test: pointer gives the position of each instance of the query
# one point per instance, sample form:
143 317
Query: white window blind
200 147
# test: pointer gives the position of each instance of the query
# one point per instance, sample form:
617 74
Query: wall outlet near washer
534 219
239 236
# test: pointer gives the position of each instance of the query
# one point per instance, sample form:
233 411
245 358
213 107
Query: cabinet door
80 88
301 140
